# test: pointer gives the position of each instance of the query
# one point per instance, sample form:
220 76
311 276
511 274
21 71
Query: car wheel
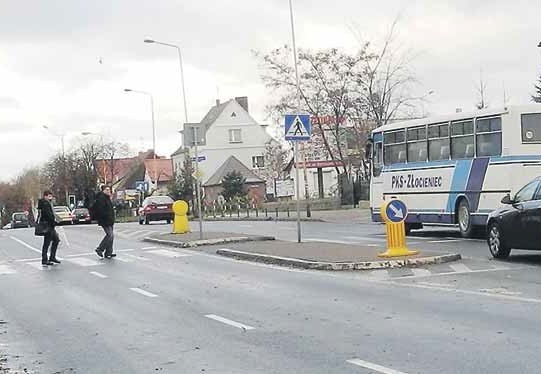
496 244
168 221
464 219
147 222
140 221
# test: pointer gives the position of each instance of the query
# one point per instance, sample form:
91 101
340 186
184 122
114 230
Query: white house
230 131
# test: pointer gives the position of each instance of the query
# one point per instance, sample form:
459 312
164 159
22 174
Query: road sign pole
197 187
297 187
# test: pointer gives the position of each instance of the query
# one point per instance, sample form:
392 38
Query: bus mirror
368 150
507 200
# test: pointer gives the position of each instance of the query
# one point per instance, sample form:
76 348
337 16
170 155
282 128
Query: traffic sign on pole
394 213
297 127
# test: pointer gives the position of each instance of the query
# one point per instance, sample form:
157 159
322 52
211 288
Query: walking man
105 215
46 215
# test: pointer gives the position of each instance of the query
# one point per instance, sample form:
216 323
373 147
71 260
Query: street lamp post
198 188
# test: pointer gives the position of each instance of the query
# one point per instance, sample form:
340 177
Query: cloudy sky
50 53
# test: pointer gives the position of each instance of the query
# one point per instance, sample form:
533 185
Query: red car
81 215
156 208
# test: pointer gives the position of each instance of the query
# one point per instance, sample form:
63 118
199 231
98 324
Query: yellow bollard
394 213
180 223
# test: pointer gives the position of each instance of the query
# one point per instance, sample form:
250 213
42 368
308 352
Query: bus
455 169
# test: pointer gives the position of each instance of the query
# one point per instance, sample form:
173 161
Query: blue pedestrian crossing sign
298 127
396 211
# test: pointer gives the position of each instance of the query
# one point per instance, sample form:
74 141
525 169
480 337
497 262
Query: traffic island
192 239
330 256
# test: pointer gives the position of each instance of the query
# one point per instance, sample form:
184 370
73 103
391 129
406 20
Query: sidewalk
310 255
192 239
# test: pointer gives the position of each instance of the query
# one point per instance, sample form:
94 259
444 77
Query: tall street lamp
198 188
151 41
152 110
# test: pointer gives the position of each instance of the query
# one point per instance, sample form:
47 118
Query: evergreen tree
182 187
233 186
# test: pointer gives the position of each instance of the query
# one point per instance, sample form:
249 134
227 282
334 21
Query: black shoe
99 252
54 260
46 263
111 255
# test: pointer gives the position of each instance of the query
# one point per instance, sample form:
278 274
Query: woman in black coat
46 215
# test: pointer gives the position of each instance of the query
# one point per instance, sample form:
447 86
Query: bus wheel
464 219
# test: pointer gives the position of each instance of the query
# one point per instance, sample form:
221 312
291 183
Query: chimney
217 102
243 102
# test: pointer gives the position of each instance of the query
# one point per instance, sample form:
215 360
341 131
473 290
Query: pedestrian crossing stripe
297 127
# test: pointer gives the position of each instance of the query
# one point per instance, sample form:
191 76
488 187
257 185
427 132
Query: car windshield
81 211
19 216
160 200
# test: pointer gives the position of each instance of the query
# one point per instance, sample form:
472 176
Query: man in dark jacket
105 215
46 215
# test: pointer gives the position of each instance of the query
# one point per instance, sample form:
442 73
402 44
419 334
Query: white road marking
4 269
143 292
122 259
25 244
137 257
421 272
374 367
435 284
229 322
467 292
167 253
500 290
317 240
126 250
64 236
445 241
460 268
144 248
365 238
84 261
99 275
28 259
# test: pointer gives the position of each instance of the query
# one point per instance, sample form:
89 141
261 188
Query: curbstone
338 266
197 243
263 219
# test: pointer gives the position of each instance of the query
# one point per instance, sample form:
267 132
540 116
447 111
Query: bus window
394 150
531 128
489 136
377 160
462 145
438 142
417 144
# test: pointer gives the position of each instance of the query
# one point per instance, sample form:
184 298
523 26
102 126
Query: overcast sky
50 53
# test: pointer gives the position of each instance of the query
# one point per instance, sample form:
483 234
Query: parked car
81 215
156 208
63 215
518 223
19 220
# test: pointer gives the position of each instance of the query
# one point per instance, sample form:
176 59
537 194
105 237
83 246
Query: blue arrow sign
142 186
298 127
199 158
396 211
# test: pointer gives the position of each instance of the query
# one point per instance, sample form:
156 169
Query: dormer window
233 114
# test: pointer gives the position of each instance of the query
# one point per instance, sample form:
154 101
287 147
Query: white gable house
230 131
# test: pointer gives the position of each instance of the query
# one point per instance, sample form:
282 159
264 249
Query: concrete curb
197 243
262 219
317 265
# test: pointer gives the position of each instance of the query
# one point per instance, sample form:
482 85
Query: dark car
156 208
518 224
81 215
19 220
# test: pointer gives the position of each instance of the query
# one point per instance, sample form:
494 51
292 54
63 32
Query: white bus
455 169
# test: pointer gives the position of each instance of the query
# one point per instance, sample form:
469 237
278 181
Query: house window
258 162
235 136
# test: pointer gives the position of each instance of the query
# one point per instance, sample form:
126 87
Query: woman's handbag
42 228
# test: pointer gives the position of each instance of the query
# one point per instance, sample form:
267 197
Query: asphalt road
156 309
